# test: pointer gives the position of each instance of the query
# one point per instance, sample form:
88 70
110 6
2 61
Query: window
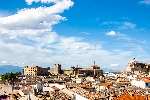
142 66
146 84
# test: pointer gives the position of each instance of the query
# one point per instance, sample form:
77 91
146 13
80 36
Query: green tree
10 76
147 71
18 73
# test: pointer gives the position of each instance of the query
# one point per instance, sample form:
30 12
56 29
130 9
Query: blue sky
45 32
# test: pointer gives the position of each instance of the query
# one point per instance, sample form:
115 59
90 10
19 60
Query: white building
145 83
79 80
49 87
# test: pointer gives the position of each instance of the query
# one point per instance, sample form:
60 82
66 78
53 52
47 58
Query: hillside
10 68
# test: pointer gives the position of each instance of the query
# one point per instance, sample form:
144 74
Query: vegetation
9 76
65 75
147 71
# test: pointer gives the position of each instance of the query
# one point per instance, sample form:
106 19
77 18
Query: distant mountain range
110 70
10 68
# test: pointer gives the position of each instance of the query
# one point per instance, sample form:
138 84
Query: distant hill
52 69
110 70
10 68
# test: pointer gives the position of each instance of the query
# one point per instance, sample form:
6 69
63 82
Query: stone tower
57 68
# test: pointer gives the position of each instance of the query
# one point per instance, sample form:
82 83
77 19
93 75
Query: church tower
57 68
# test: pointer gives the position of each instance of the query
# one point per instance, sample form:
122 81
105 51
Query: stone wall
6 89
68 72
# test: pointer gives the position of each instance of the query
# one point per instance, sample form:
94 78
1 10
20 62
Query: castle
35 71
134 65
93 70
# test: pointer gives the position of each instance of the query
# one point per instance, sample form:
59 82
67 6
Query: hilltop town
74 50
76 83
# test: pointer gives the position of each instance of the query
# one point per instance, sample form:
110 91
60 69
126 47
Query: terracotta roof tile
106 84
127 96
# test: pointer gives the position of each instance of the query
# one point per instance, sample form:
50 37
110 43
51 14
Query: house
80 80
141 82
30 96
103 86
88 87
147 83
127 96
118 74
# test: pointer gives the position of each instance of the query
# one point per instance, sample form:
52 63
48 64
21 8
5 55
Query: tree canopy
10 76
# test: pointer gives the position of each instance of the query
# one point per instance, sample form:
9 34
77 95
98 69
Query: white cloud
145 2
77 52
126 18
4 62
34 21
85 32
111 33
4 13
13 63
110 23
120 25
77 47
124 37
63 50
97 18
117 50
86 48
128 25
29 2
114 65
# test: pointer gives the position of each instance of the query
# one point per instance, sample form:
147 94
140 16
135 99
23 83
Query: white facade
136 83
74 95
99 88
79 97
79 80
140 83
38 86
103 88
90 79
111 75
48 87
